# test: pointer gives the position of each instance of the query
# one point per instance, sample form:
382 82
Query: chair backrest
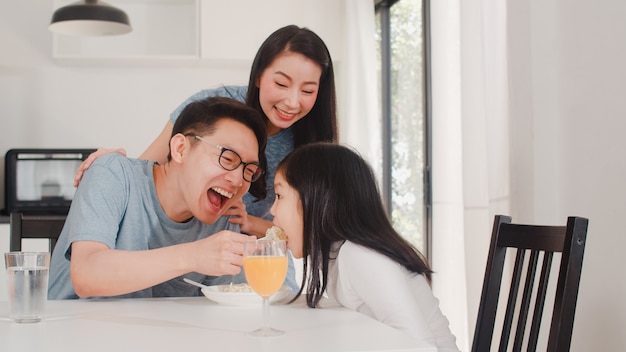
539 241
34 226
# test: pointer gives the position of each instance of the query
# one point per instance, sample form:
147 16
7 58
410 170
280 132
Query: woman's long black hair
341 202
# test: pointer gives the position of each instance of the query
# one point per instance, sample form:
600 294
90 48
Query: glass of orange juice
265 267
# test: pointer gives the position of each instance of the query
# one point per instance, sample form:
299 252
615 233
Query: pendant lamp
89 18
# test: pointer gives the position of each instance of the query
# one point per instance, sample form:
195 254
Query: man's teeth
223 192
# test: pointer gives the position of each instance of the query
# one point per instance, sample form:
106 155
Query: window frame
383 7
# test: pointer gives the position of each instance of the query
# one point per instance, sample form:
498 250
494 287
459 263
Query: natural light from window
407 119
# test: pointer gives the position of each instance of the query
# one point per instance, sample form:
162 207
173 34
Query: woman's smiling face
288 89
287 212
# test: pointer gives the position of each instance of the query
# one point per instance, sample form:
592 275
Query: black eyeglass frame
255 175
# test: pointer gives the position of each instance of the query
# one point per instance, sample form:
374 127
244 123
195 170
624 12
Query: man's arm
97 270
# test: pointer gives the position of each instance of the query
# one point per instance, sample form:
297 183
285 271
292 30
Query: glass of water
27 274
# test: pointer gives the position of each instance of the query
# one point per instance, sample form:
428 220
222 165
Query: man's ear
179 146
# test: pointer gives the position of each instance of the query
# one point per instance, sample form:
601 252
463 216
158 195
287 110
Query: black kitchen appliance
40 181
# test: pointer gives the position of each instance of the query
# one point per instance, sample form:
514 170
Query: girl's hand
91 158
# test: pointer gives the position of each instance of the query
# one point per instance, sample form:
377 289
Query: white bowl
241 299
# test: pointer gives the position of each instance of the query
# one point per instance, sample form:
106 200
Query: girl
327 202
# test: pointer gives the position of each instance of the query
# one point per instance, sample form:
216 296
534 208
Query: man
136 227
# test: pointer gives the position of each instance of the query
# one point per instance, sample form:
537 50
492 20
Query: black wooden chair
34 226
539 241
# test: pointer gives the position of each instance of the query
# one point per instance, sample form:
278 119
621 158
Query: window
402 38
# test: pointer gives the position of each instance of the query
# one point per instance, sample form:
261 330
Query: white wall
567 97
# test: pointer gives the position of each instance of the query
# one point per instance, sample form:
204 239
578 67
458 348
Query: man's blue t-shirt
117 205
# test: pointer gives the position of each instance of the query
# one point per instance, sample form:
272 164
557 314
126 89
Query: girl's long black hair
341 202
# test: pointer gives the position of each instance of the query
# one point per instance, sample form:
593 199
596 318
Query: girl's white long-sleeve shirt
373 284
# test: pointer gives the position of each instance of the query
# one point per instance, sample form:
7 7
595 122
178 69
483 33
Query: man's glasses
229 160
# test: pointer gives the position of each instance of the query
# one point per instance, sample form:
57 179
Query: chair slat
545 238
525 301
510 305
539 303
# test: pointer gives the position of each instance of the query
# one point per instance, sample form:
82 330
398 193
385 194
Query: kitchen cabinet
164 32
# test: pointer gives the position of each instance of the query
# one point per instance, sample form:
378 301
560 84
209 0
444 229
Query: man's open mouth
218 196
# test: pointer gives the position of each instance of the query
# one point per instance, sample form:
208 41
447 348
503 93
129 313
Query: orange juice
265 274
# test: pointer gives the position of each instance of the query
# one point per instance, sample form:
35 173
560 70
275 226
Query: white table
174 324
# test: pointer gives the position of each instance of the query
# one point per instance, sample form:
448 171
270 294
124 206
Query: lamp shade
89 18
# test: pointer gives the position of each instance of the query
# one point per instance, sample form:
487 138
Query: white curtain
359 109
470 136
470 149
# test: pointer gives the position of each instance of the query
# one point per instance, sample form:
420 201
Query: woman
328 204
